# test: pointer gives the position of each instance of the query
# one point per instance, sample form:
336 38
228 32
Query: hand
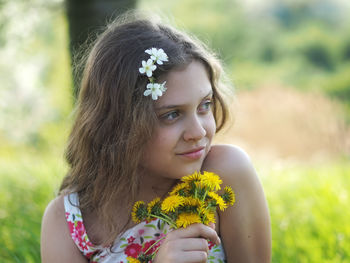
185 245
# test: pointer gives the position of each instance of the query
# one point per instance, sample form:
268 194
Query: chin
192 169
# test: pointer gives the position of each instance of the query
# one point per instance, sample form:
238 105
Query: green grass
310 213
28 183
308 205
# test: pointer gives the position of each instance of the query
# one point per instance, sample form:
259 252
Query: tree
85 19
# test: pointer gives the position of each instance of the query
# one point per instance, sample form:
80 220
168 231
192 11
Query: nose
194 129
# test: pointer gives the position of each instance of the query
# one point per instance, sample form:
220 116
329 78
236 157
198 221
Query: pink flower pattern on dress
78 234
131 239
133 250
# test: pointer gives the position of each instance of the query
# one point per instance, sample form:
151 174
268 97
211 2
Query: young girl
148 108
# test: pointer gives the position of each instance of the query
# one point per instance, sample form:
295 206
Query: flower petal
162 87
148 51
154 96
159 92
149 73
147 92
149 86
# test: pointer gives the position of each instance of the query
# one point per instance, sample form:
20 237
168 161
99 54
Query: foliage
309 212
285 42
34 70
338 85
27 185
300 44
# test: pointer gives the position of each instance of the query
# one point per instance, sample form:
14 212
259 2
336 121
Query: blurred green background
289 62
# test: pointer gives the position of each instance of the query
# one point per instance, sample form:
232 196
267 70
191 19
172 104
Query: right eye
170 116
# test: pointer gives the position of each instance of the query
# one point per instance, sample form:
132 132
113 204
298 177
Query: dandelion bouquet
193 200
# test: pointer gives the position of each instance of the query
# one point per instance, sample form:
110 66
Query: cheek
211 127
165 138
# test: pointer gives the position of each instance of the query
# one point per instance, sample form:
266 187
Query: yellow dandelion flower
139 212
186 219
179 187
154 206
211 217
218 199
132 260
207 216
229 195
199 184
212 181
191 201
196 176
203 215
172 202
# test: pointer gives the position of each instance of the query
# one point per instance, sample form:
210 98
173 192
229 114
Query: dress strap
76 226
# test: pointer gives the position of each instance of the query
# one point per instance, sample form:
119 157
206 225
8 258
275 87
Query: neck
152 186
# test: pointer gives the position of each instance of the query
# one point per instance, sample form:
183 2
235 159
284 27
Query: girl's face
186 124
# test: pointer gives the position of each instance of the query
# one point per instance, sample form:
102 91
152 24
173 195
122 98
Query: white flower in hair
157 55
162 87
147 67
155 89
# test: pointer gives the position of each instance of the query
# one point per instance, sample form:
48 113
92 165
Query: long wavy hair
114 120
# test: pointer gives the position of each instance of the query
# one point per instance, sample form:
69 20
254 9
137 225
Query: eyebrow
171 106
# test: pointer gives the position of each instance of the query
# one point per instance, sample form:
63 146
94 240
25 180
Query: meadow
292 115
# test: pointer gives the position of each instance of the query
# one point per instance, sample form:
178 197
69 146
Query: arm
56 242
245 226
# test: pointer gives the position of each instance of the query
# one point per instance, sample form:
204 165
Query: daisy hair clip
157 56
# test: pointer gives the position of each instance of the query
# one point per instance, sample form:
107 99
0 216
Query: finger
193 244
195 257
196 230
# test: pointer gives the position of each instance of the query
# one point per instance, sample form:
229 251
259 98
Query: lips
193 150
194 153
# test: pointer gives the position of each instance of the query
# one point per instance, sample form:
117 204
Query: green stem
165 219
205 195
155 253
155 243
166 216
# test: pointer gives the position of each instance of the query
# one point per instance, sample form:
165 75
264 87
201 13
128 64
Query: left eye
205 106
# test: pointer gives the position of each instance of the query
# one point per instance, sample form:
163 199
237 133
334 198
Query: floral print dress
129 244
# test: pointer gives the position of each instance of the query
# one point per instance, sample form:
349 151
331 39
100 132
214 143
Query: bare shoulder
245 226
56 242
231 162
